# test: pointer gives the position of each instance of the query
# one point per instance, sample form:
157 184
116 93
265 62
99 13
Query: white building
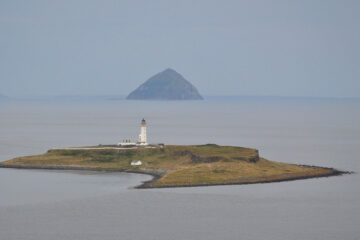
142 137
127 143
136 163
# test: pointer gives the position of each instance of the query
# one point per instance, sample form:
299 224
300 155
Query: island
166 85
175 165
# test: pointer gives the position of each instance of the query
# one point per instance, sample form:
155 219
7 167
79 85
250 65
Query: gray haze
288 48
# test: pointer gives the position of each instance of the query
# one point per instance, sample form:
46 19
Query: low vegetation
178 165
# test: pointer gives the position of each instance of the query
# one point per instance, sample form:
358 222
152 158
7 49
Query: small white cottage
136 163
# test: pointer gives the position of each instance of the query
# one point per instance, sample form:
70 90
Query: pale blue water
68 205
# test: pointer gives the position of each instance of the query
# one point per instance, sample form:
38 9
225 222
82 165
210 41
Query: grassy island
175 165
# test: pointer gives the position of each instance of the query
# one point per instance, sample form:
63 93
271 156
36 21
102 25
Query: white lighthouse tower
142 136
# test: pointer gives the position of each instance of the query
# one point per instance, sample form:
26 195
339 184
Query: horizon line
123 96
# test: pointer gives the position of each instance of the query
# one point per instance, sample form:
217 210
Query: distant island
175 165
166 85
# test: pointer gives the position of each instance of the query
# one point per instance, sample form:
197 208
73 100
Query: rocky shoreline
159 173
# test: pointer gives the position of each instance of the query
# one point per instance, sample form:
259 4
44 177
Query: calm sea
43 205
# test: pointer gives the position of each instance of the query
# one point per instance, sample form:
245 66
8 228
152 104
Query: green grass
180 165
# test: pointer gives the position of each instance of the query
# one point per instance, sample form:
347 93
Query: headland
175 165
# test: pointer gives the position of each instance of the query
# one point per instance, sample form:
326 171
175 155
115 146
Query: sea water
40 204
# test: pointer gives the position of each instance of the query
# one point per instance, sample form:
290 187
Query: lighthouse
142 136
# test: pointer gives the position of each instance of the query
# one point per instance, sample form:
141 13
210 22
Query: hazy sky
284 48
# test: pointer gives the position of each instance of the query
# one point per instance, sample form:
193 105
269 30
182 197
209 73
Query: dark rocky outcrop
197 158
166 85
252 159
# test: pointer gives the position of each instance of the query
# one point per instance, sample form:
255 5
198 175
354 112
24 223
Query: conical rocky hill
166 85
